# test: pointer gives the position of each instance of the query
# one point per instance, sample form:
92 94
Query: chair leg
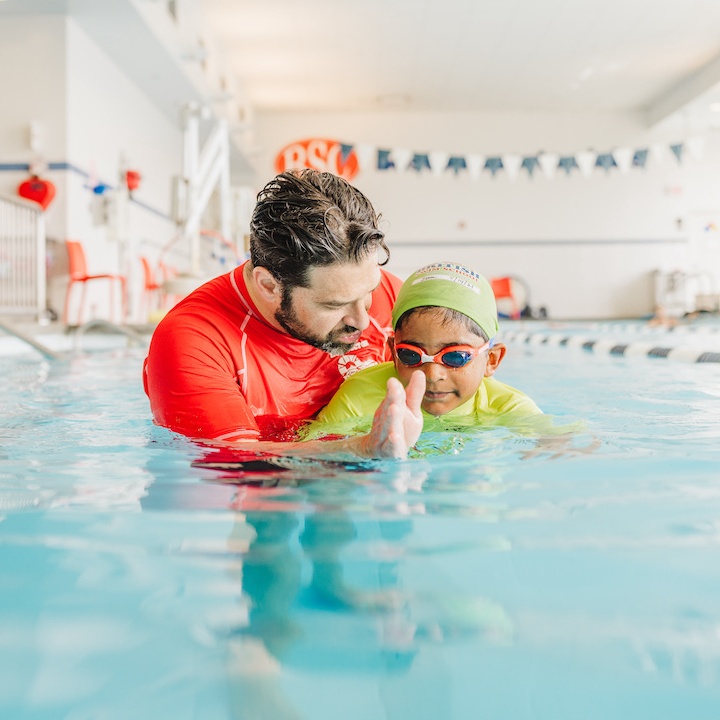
81 307
66 309
123 300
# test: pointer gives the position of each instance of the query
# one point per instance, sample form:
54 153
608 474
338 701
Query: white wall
113 127
93 118
586 246
35 94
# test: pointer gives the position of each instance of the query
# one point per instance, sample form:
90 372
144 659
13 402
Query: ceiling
655 57
652 56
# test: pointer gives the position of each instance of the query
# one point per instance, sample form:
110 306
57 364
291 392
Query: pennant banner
348 159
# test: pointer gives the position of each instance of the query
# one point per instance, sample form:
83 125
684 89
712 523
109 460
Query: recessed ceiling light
394 100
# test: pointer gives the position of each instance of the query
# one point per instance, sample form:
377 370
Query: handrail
42 349
99 323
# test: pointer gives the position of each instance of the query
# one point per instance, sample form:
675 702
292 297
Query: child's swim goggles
454 356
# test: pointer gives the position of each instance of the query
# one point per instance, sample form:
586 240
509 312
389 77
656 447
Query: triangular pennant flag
567 163
456 164
640 158
401 158
606 161
678 150
623 157
475 164
383 160
345 151
658 152
512 164
493 164
696 147
586 161
420 162
367 156
548 163
530 163
438 162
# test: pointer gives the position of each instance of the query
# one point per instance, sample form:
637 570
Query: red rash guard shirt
216 370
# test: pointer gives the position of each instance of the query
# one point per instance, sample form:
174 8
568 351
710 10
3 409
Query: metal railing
22 258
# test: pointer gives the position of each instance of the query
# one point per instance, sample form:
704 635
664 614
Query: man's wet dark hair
306 218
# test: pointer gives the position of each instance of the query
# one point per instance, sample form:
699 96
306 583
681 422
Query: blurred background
569 146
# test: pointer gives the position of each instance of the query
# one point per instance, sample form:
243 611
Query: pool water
490 576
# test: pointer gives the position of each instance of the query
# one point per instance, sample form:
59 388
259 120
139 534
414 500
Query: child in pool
444 322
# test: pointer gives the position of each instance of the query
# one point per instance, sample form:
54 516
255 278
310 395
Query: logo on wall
319 154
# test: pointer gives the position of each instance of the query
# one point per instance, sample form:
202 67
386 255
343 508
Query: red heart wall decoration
37 189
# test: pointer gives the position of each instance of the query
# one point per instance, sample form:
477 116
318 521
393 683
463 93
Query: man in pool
251 355
445 322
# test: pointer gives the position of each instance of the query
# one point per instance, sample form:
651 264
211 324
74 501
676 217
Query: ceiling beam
689 89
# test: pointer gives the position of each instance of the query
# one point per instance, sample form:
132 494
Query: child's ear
391 344
495 356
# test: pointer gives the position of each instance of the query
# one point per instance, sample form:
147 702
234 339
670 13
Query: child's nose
434 371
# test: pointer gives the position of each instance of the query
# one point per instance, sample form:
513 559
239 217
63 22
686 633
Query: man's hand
398 421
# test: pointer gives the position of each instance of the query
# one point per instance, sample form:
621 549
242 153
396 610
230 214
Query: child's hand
398 421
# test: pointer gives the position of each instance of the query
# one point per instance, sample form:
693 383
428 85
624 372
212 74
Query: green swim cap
449 285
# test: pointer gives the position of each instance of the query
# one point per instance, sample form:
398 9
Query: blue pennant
384 162
678 150
456 164
420 162
530 163
568 164
640 158
345 151
605 161
493 164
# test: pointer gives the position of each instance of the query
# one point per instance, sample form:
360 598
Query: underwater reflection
326 595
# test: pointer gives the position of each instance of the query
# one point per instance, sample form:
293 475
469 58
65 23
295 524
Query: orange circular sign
318 154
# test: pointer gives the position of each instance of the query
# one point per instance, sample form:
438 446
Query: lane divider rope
612 346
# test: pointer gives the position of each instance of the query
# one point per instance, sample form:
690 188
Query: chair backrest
76 260
148 275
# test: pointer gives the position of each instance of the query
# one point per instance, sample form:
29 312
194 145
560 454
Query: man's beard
288 320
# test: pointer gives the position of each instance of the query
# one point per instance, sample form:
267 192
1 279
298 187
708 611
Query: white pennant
438 162
401 157
623 157
659 153
512 164
367 157
548 163
475 163
696 147
586 161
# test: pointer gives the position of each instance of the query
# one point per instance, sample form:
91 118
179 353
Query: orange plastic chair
502 289
79 274
153 295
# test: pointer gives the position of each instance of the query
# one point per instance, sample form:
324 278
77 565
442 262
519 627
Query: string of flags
549 164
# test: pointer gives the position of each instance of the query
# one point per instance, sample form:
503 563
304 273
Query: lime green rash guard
353 405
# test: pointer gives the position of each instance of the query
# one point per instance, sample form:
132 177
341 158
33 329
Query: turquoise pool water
496 580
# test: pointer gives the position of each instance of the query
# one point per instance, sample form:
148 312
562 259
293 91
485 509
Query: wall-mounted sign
319 154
